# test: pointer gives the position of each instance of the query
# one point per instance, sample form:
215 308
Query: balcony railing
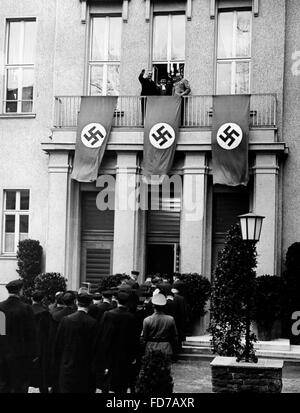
197 111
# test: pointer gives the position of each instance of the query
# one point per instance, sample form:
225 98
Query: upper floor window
16 219
168 54
19 66
104 59
234 52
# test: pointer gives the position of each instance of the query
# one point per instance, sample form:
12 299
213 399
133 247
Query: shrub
50 283
155 375
268 302
231 291
110 281
291 278
29 260
196 291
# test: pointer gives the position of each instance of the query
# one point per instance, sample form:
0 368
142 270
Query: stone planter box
229 376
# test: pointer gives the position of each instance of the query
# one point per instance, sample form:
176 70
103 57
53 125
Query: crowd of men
83 342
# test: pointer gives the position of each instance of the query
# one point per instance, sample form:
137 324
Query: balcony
197 111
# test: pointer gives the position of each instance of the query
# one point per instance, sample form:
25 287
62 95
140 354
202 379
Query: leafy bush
29 260
231 291
291 278
155 375
268 302
196 291
110 281
50 283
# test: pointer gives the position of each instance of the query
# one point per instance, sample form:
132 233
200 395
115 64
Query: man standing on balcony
149 88
181 87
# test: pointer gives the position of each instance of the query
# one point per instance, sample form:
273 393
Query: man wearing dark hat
40 374
116 347
93 308
18 346
105 305
180 310
65 306
74 350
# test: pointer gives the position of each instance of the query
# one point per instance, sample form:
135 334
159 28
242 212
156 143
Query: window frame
234 59
17 213
101 63
20 66
169 62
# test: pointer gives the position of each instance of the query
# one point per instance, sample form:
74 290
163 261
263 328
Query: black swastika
229 135
161 134
94 134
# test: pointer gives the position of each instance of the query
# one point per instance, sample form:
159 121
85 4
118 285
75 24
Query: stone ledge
230 376
261 364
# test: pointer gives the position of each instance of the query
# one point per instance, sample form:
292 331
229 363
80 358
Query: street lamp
250 228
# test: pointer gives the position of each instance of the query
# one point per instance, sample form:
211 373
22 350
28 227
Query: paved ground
195 377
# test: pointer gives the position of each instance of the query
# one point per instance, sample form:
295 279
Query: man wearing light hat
18 346
159 330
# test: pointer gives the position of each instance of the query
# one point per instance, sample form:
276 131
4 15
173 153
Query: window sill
17 115
8 256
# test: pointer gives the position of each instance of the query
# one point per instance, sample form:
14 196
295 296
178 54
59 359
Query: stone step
195 348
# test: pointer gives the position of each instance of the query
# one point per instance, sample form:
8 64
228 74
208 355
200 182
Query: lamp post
250 228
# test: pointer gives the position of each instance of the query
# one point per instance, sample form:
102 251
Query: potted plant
196 289
29 260
155 375
268 306
50 283
234 279
236 368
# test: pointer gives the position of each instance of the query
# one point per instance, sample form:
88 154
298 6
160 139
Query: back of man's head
69 298
37 296
84 300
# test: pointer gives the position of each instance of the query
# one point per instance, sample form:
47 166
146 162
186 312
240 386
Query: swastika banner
230 136
94 125
160 134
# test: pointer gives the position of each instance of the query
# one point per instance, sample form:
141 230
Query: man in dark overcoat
116 347
74 349
65 306
105 305
40 375
18 346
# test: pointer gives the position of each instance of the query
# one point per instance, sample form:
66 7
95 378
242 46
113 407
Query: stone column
193 216
58 169
265 202
125 227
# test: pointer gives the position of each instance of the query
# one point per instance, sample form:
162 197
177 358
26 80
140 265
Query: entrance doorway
97 228
160 259
227 205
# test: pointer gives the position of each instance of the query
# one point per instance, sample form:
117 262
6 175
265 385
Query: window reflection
105 49
234 52
20 56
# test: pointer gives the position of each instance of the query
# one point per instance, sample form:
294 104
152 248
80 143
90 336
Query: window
168 52
19 68
234 52
104 59
16 219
